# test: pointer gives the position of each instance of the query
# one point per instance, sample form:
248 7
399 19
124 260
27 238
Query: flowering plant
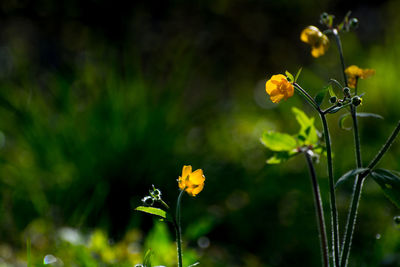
311 143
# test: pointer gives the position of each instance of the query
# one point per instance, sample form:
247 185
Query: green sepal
155 211
290 76
297 74
389 181
348 175
278 141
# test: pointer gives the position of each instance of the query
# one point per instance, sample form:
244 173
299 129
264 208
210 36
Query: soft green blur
89 123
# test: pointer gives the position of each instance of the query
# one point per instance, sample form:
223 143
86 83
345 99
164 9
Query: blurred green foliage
98 102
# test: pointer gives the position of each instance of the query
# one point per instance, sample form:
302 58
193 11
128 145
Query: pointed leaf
290 76
359 114
297 74
154 211
348 175
389 181
278 141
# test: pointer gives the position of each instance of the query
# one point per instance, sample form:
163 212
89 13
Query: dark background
99 100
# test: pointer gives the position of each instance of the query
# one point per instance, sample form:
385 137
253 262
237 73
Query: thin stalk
177 225
357 193
320 211
306 96
334 213
358 183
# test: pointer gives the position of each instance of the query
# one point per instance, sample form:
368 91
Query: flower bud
148 201
333 99
346 91
356 100
353 23
396 220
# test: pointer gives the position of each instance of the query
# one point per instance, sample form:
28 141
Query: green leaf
155 211
290 76
297 74
389 181
307 128
278 141
319 98
348 175
359 114
281 157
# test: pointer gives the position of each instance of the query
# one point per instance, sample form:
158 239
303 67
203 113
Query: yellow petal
310 35
272 84
197 189
277 98
197 177
186 171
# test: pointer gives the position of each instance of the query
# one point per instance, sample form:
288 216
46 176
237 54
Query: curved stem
320 211
306 96
334 213
177 225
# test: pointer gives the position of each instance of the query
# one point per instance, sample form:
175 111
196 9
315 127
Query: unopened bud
396 220
356 100
333 99
346 91
353 23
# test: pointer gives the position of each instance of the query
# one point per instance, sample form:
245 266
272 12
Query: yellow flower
191 182
278 87
353 73
319 42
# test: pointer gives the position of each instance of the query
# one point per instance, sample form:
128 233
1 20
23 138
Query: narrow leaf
147 258
348 175
389 181
154 211
290 76
359 114
278 141
297 74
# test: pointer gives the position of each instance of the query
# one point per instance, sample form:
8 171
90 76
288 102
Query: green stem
357 194
334 213
177 225
358 183
306 96
320 211
339 45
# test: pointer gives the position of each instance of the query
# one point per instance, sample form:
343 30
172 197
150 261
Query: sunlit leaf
307 128
278 141
389 181
281 157
359 114
155 211
349 175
